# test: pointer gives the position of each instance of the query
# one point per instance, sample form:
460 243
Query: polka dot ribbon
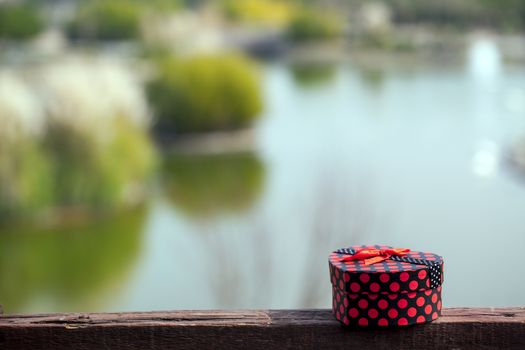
372 256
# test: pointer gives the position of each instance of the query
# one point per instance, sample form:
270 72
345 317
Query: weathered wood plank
459 328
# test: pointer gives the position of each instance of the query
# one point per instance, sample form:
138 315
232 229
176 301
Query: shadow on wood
458 328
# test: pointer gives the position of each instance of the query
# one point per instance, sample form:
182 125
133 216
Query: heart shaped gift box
381 286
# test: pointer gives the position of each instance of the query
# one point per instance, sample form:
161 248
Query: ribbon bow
372 256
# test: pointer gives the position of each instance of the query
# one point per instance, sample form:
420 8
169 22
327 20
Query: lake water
410 156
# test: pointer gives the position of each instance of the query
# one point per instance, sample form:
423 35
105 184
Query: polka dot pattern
390 293
378 310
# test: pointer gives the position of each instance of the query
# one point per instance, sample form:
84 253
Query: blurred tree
97 134
308 25
85 145
25 178
265 12
19 21
205 93
106 20
504 14
99 174
25 173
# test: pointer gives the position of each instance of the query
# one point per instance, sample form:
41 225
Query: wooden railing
458 328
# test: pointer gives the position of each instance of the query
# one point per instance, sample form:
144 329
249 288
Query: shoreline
214 142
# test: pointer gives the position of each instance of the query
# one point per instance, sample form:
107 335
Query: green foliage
161 5
205 93
25 178
76 150
271 12
504 14
206 184
19 21
99 175
106 20
74 169
310 26
71 263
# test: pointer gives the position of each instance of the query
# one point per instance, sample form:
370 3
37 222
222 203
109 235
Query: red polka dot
341 285
428 292
345 302
346 320
420 301
363 304
420 319
353 296
372 313
392 296
354 287
403 276
411 311
382 304
439 289
372 296
439 305
434 315
364 277
402 321
394 286
374 287
384 277
341 309
338 297
392 313
427 283
428 309
337 273
411 295
346 277
353 312
363 321
413 285
338 315
422 274
333 279
402 303
434 298
382 322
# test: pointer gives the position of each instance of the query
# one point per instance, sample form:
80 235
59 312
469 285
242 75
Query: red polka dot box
381 286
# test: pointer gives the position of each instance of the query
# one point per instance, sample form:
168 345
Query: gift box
381 286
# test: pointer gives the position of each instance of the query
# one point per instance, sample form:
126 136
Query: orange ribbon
372 256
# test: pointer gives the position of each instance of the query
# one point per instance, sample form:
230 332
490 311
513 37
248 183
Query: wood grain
458 328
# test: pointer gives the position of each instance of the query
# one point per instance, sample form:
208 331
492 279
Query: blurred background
179 154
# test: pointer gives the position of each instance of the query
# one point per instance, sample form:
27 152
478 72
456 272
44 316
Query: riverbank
418 44
217 142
